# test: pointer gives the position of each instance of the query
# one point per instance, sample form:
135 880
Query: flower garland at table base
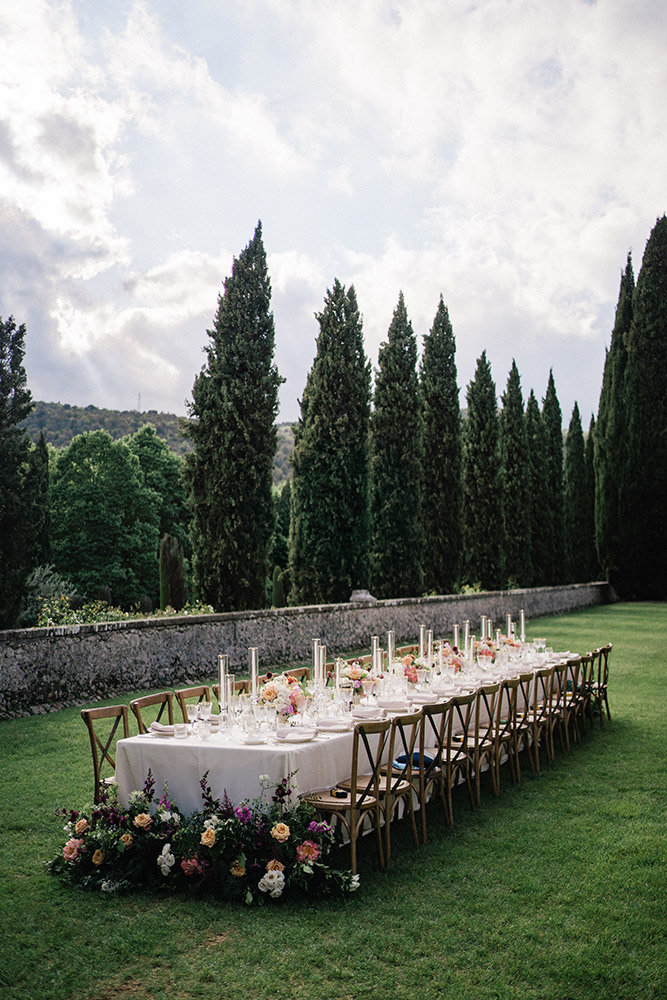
252 852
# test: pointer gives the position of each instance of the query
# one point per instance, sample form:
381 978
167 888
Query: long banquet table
234 767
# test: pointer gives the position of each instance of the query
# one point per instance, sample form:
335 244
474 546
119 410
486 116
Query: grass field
554 891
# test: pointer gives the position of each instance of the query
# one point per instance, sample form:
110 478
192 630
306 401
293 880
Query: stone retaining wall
45 669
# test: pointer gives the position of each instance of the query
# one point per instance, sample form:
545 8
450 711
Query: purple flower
316 827
243 813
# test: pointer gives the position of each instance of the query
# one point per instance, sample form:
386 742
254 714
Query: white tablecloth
232 766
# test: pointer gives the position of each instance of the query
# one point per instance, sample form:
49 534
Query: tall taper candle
422 641
429 645
522 625
498 638
391 647
315 661
456 637
323 666
253 668
466 638
508 625
223 670
482 631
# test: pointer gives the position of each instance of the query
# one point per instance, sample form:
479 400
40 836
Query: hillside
60 422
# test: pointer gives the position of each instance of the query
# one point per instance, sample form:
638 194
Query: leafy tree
483 536
576 503
514 484
173 590
591 559
643 559
442 485
555 537
104 519
330 527
17 509
610 434
537 502
235 401
395 469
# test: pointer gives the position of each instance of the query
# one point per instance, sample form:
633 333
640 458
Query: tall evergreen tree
593 569
234 407
610 434
396 459
514 484
576 503
17 528
330 525
483 536
643 507
538 510
553 426
282 505
442 483
39 490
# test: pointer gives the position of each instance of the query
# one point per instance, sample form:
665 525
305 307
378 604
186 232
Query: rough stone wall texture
45 669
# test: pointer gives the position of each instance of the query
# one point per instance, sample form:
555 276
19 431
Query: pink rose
72 849
308 851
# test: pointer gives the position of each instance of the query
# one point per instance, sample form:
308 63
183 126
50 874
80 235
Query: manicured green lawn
554 891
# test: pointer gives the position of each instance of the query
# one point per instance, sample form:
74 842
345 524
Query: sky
505 154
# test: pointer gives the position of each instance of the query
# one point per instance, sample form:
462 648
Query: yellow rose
280 832
275 866
354 673
127 839
98 858
237 869
208 837
143 821
81 827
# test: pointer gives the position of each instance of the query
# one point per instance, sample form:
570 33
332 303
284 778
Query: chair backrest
541 695
486 707
301 673
524 701
403 736
367 760
575 673
603 666
165 701
102 739
433 735
201 692
506 709
459 736
240 687
558 696
587 673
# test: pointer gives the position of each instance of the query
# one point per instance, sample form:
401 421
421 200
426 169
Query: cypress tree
442 484
482 502
234 407
17 529
536 463
282 503
173 592
576 503
589 459
514 484
553 426
396 459
329 532
610 434
643 506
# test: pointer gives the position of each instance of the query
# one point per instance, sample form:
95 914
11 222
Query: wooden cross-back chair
585 691
558 711
601 681
575 696
165 701
240 687
482 737
506 736
102 743
200 692
351 805
445 756
535 717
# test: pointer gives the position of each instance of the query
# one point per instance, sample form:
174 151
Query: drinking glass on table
193 713
205 710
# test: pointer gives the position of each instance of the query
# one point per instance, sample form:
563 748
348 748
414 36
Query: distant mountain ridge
60 422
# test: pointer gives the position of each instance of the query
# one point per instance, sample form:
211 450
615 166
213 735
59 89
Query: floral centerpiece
251 852
285 693
451 657
485 651
354 673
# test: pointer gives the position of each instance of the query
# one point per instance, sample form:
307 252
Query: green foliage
278 588
57 610
104 520
173 591
553 474
611 435
643 474
482 496
515 483
235 400
42 586
577 503
21 509
538 509
395 465
442 485
61 422
282 460
329 533
590 560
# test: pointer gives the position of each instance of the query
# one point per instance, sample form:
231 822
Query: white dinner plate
297 737
334 727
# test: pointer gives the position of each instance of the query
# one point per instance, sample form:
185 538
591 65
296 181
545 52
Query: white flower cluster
212 822
136 798
354 883
166 860
273 883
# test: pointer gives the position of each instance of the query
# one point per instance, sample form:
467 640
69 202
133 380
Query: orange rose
275 866
237 869
98 858
127 839
81 827
208 837
280 832
143 821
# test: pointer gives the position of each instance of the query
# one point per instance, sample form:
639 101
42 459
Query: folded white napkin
158 727
393 704
423 698
370 712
